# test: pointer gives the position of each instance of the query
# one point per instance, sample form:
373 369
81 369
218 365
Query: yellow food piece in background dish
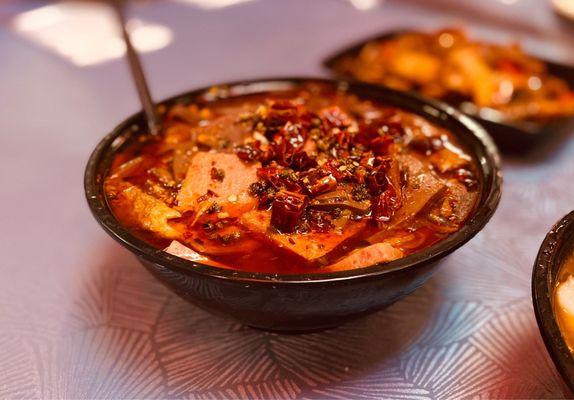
478 76
416 66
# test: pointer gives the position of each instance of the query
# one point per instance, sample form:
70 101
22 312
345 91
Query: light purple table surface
80 318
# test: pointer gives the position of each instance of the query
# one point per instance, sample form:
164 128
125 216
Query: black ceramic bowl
512 137
311 301
557 245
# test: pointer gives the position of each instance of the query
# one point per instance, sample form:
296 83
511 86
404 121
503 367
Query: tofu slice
449 159
367 256
421 187
310 246
179 250
148 213
458 201
231 190
223 127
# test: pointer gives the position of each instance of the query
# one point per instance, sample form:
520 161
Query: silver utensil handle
151 115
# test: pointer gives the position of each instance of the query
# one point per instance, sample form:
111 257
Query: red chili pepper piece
287 209
301 161
319 221
318 181
279 178
380 145
384 205
324 184
288 141
334 117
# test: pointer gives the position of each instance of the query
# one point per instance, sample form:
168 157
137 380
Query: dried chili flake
360 192
393 129
217 174
287 209
319 221
214 208
230 237
366 134
334 117
334 167
301 161
248 152
384 205
209 227
280 178
287 142
206 196
256 189
318 180
324 184
279 113
377 181
381 145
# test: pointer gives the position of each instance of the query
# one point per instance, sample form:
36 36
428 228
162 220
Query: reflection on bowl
304 301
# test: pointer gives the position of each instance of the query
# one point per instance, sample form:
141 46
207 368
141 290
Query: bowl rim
483 150
549 258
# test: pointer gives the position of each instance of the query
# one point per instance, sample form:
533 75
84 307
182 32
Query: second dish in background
520 99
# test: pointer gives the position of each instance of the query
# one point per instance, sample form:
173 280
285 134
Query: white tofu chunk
177 249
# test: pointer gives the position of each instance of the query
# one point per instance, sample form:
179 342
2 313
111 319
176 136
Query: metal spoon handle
152 118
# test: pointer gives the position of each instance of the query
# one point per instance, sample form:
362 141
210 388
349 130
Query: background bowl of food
553 295
522 100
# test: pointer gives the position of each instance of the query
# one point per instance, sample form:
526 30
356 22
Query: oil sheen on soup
301 181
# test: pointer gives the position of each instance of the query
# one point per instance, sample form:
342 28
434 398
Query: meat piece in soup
365 256
220 181
309 246
303 181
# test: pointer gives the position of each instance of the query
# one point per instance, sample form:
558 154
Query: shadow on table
184 350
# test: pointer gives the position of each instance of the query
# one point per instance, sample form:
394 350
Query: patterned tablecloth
80 318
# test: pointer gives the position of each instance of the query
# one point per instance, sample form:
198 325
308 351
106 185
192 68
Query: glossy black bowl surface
558 244
310 301
516 137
